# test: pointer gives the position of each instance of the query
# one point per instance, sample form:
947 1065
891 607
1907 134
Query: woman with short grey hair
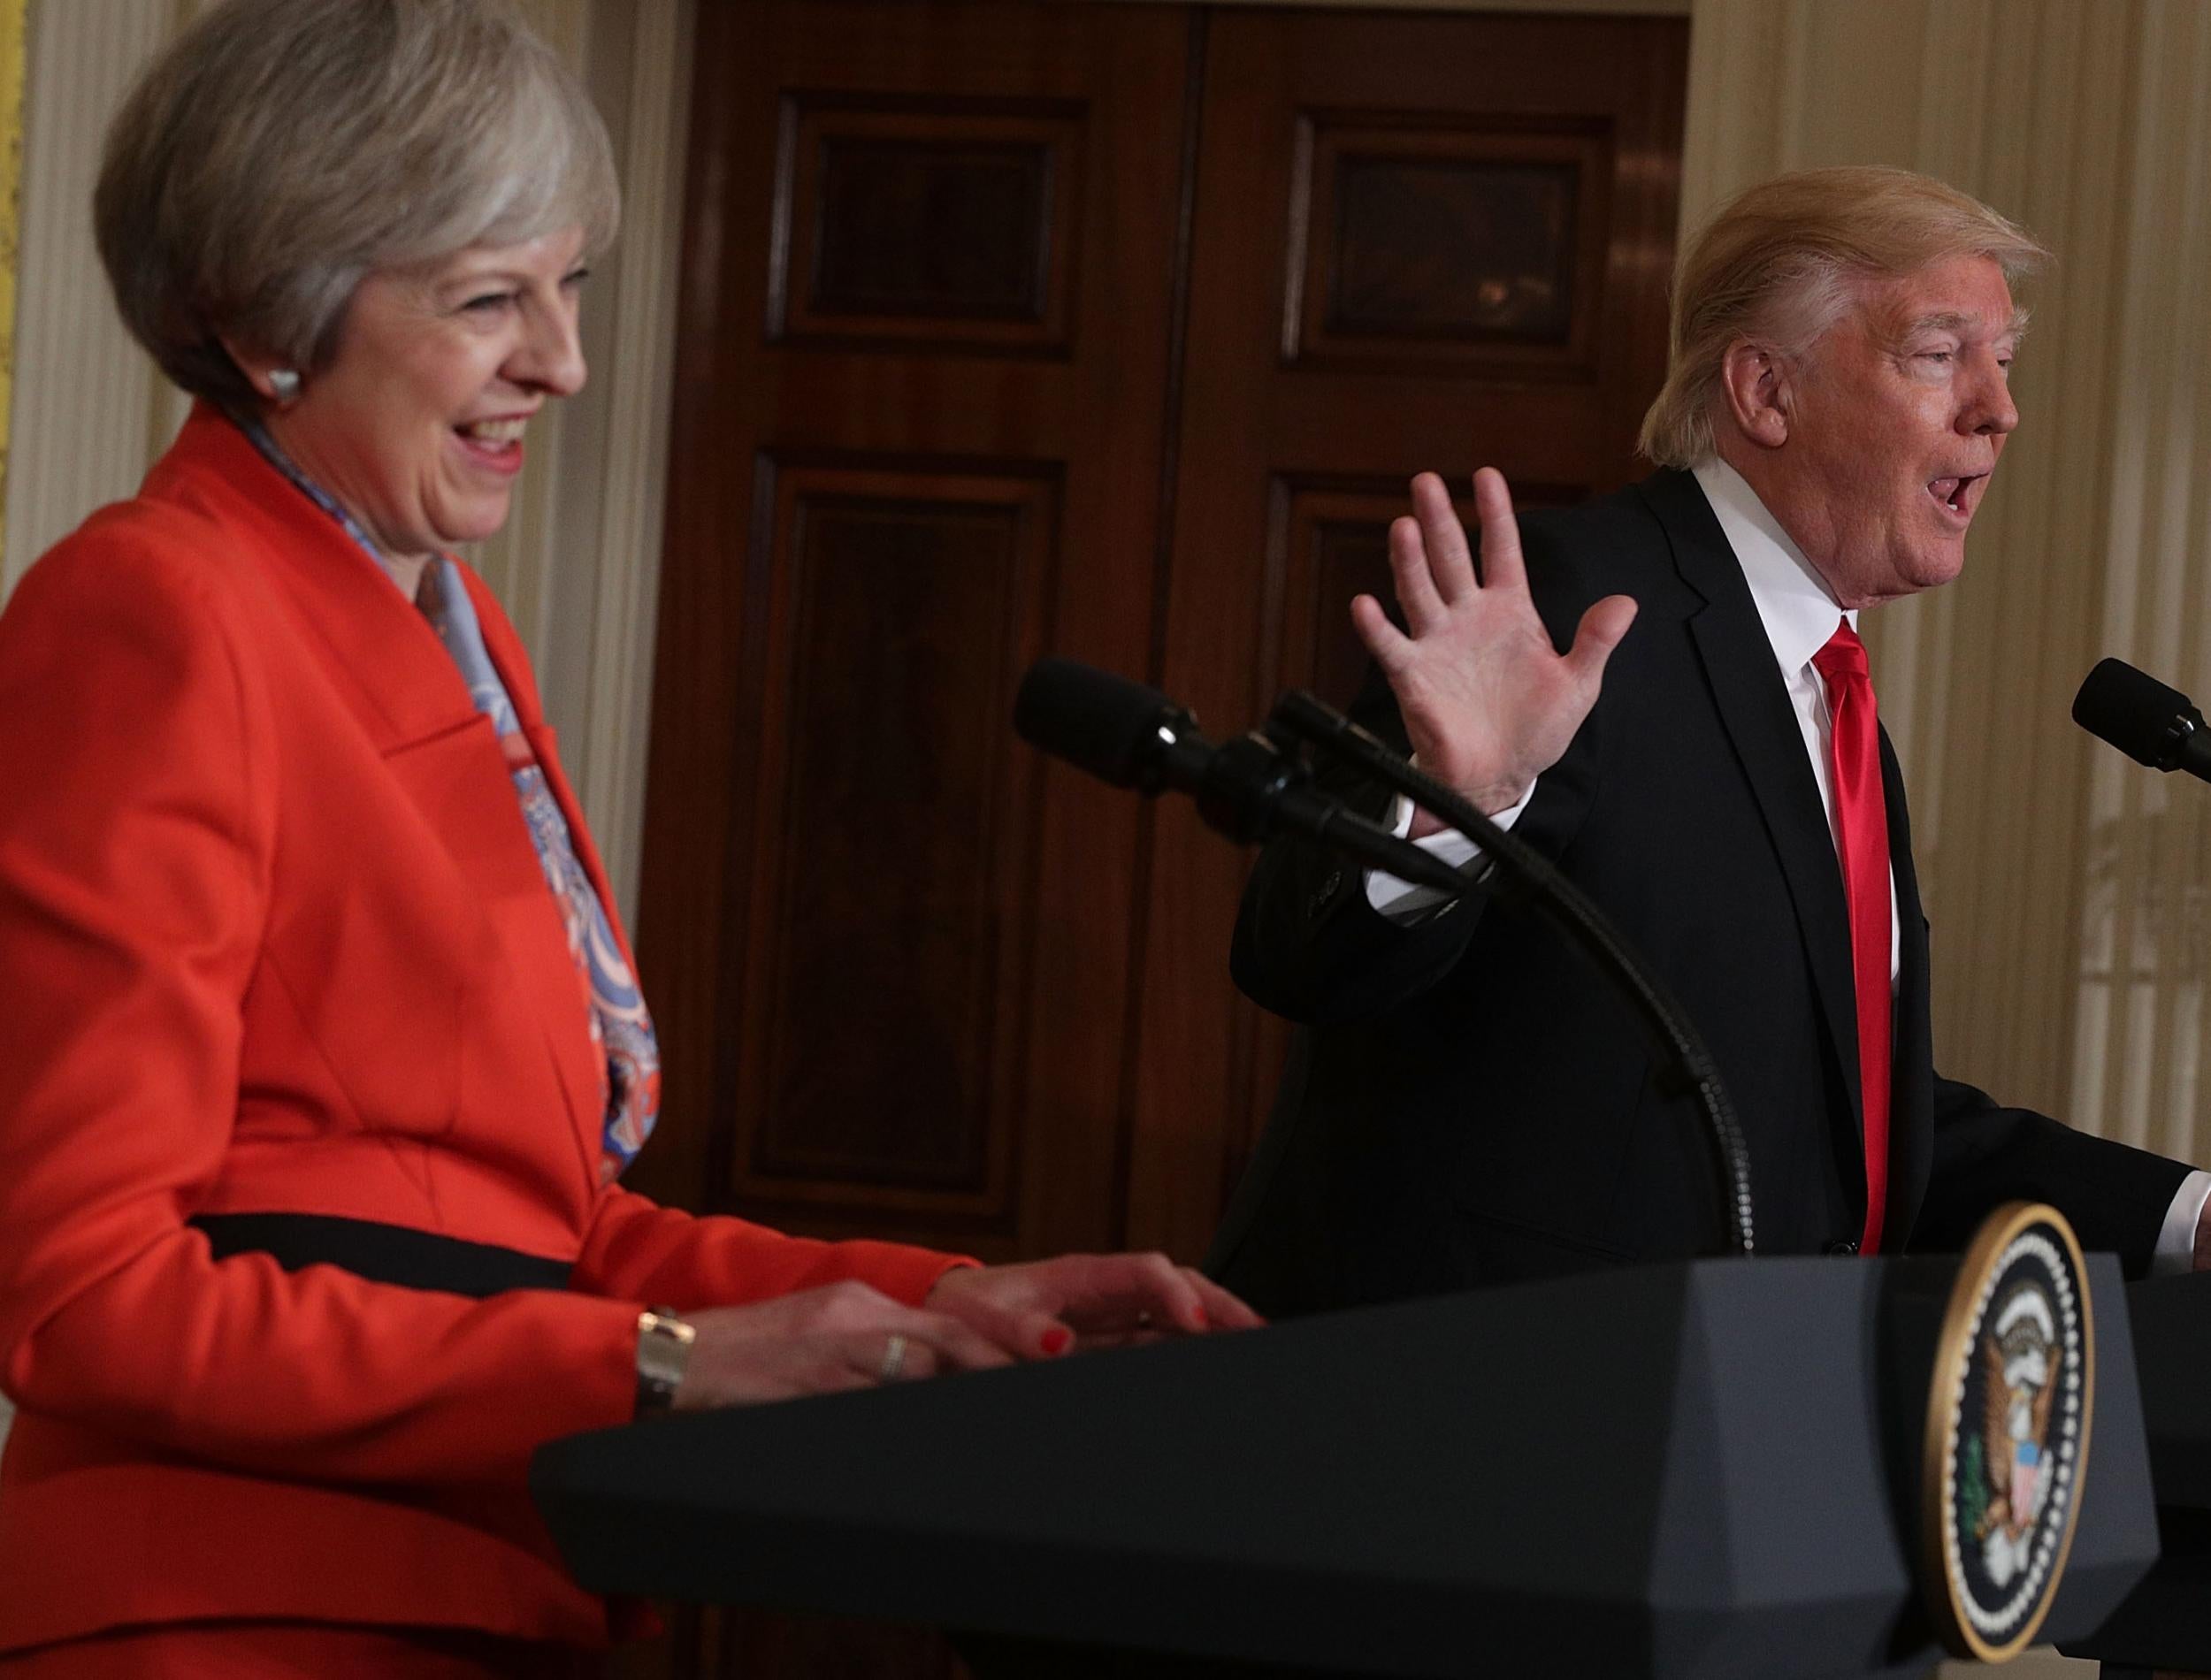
323 1054
279 153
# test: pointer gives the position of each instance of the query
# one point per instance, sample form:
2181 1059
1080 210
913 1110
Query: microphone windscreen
2131 710
1096 721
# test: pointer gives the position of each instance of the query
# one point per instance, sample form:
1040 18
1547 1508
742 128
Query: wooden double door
1110 331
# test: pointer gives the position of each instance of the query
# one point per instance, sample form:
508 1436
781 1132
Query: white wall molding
82 412
614 723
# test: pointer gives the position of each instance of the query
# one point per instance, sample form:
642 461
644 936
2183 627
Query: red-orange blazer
273 937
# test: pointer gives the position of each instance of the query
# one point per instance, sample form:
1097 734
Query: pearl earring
284 382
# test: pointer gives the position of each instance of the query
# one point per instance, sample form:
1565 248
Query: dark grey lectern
1703 1470
2165 1623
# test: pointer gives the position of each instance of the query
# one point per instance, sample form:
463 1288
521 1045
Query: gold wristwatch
663 1354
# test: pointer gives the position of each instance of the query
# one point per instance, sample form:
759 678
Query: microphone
2151 723
1133 737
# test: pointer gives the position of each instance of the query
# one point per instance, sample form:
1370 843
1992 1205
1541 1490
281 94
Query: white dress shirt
1799 616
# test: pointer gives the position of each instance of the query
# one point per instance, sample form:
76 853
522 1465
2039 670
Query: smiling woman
415 424
324 1053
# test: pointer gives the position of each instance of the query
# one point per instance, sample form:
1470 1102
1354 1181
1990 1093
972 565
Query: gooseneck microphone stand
1686 1066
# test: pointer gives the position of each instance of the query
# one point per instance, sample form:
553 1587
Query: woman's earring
284 383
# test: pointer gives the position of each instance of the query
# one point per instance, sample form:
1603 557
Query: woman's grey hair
1781 263
279 150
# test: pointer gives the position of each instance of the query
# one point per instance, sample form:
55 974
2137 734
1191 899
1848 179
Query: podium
2164 1624
1702 1470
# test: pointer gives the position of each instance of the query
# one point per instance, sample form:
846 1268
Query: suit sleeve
1308 945
136 842
2116 1197
643 1252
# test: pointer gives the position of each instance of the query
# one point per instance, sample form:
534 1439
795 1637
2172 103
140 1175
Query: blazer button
1841 1245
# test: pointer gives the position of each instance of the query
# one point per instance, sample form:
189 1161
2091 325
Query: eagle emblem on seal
2004 1474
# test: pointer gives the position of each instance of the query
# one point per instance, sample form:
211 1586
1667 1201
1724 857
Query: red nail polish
1058 1340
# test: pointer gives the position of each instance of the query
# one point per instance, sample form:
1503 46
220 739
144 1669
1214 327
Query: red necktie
1862 817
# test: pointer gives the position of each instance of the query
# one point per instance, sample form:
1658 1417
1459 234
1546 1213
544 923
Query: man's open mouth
1959 494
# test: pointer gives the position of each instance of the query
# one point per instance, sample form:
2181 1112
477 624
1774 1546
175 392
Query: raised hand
1487 702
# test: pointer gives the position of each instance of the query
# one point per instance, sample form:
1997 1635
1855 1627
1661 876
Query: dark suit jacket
1468 1102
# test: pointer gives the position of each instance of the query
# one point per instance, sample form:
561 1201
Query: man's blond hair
1781 263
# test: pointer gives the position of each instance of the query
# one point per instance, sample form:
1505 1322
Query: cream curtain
2066 884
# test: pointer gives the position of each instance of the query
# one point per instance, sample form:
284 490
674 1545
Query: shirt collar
1793 601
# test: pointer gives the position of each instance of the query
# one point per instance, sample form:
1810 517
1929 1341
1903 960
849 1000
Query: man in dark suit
1469 1102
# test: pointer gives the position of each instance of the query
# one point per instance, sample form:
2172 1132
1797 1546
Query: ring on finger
893 1358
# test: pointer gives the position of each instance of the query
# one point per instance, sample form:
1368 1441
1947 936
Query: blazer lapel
581 1079
379 649
1753 707
409 697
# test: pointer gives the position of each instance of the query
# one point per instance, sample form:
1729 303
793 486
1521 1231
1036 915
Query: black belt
394 1254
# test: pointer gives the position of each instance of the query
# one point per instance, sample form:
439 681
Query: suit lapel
1911 1103
1754 707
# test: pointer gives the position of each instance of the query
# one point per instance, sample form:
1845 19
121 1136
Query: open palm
1489 703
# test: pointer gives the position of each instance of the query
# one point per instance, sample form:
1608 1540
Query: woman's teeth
494 431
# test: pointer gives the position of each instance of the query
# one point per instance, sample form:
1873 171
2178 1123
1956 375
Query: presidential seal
2007 1432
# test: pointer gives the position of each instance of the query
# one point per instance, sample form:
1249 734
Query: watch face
663 1354
2008 1431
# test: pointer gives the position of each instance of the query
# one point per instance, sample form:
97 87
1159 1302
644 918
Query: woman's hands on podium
848 1335
1045 1308
818 1342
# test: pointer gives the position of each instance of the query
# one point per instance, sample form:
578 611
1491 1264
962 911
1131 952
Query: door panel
902 607
918 426
1421 242
1107 331
922 393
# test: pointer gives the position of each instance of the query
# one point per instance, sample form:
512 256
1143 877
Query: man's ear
1759 398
